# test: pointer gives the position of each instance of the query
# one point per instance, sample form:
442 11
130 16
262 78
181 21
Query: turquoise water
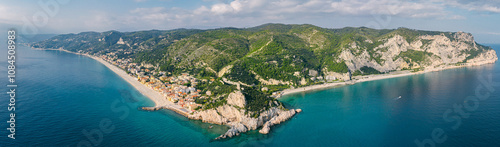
62 96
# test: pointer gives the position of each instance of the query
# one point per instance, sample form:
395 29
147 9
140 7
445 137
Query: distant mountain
30 38
279 54
114 40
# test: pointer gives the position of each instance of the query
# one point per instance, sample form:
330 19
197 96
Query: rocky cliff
425 51
234 116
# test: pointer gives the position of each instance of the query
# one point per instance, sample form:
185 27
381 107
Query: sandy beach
330 85
373 78
153 95
156 97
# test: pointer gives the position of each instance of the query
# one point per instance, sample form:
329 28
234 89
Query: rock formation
237 99
442 51
281 117
240 122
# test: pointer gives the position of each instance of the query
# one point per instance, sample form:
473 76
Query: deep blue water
62 96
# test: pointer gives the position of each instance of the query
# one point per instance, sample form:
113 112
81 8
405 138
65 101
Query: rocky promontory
232 115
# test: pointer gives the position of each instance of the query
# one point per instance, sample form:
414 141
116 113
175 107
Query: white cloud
221 8
12 15
486 8
234 6
293 8
254 12
388 7
492 6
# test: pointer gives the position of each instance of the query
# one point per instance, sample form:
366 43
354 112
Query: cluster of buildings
178 89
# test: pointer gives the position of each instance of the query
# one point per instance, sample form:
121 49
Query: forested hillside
278 54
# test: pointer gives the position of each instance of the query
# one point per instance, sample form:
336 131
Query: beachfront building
177 89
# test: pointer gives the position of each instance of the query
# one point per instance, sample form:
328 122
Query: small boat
399 97
210 127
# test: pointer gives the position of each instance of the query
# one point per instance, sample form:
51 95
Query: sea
64 99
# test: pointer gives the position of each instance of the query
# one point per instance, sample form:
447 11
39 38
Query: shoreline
351 82
156 97
161 102
375 77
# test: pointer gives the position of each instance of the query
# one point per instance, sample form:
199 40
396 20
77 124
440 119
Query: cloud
388 7
222 9
254 12
235 6
296 8
11 15
491 6
486 8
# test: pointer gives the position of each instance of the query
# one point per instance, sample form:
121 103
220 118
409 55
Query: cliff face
426 51
236 99
232 115
487 57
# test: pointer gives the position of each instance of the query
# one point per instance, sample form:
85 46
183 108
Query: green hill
279 54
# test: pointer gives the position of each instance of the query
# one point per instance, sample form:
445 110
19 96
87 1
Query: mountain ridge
280 47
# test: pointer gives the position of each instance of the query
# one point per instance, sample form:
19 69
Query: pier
180 111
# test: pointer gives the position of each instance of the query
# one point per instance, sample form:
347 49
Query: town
178 89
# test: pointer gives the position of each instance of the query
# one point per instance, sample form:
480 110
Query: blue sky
479 17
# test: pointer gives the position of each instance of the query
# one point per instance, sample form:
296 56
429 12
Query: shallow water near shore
62 97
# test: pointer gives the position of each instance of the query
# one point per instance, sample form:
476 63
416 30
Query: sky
479 17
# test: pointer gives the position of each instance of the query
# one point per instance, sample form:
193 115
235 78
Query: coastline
161 102
156 97
334 84
376 77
